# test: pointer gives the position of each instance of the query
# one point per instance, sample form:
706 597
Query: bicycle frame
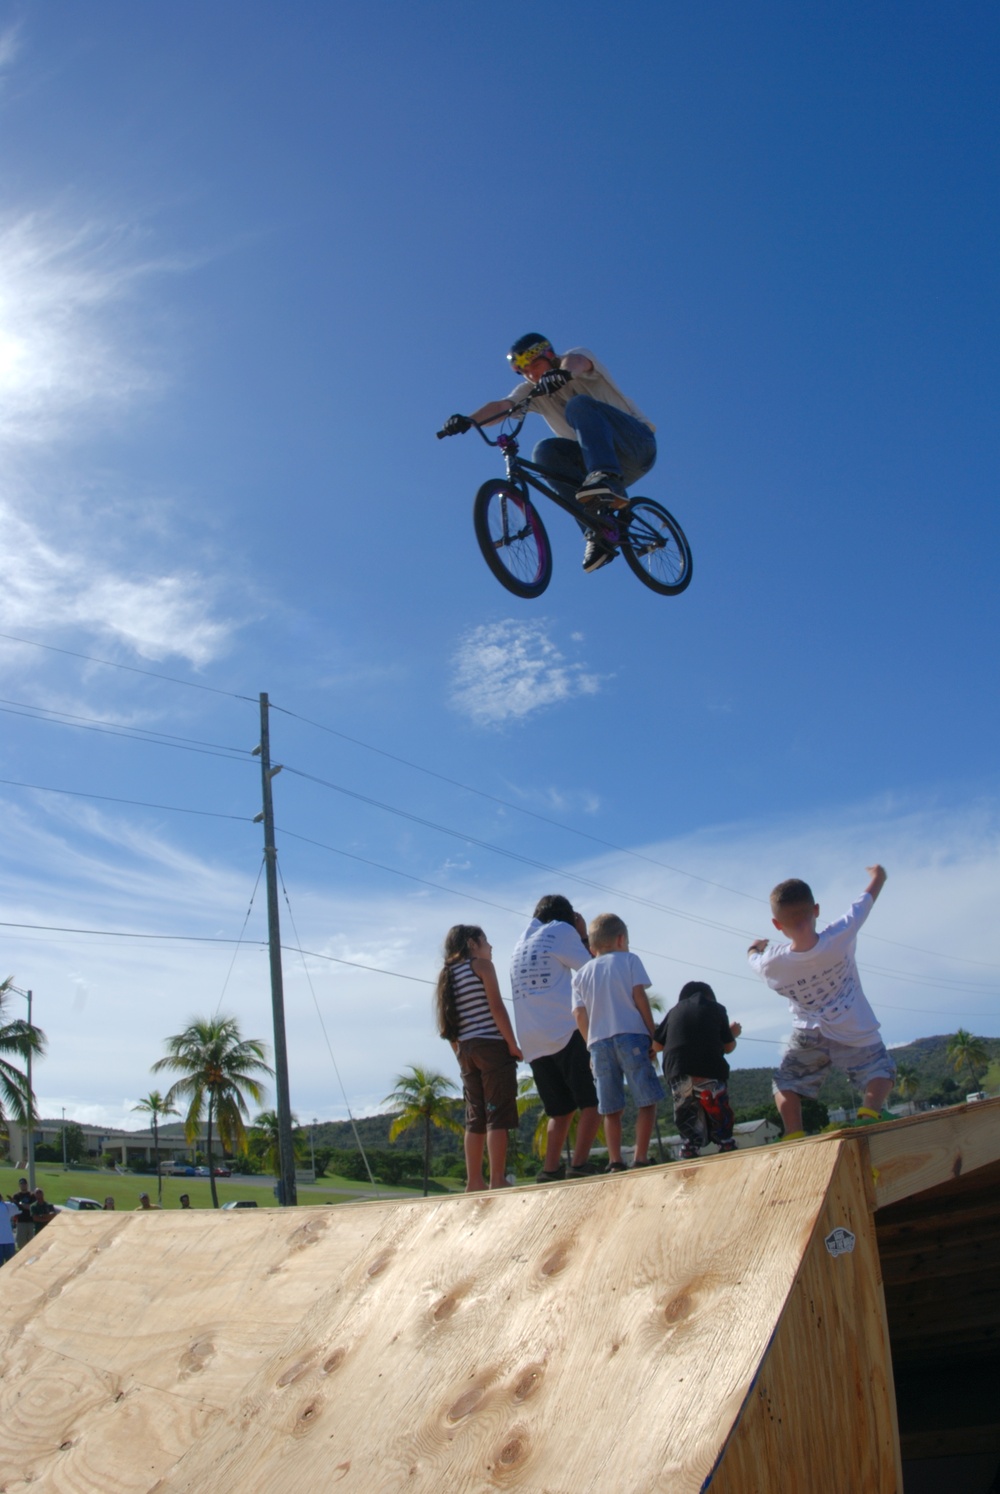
521 472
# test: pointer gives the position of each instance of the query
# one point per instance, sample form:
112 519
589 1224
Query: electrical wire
588 835
239 942
135 734
210 814
326 1036
129 668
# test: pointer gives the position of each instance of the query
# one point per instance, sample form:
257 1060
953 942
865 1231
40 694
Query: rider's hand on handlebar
553 380
456 425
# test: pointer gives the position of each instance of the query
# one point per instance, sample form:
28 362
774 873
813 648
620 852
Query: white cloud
108 1004
62 291
507 670
77 550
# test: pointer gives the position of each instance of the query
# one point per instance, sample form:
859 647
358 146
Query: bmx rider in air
602 442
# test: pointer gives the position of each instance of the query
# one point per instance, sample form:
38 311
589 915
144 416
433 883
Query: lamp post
64 1137
312 1145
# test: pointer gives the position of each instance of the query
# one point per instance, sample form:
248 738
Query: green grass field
81 1183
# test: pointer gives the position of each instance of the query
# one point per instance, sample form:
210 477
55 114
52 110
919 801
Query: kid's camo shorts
809 1055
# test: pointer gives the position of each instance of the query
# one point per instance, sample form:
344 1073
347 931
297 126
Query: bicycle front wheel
512 538
655 547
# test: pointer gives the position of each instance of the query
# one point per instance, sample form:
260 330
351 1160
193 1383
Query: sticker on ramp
839 1242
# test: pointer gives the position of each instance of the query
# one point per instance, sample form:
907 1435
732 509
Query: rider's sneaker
606 485
596 554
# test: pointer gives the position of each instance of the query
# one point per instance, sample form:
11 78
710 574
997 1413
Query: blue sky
250 259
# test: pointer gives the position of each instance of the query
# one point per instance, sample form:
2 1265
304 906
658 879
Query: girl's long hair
456 949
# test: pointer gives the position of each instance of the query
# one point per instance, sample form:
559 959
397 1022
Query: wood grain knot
956 1169
307 1417
513 1452
379 1264
444 1307
555 1261
466 1403
528 1382
65 1446
679 1308
196 1357
295 1372
334 1361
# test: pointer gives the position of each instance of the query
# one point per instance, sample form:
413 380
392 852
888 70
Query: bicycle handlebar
521 404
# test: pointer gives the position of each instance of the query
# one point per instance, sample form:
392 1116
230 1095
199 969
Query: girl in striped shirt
472 1017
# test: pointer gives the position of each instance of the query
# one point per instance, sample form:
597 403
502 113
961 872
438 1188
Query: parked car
200 1172
223 1172
241 1203
177 1170
80 1203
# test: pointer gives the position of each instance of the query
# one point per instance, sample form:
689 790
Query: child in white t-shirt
613 1014
832 1022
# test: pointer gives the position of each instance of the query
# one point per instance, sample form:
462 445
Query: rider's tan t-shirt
598 384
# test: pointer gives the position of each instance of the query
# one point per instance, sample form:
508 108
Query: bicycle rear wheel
512 538
655 547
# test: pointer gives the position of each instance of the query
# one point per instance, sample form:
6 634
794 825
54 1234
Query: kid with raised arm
832 1022
473 1018
612 1012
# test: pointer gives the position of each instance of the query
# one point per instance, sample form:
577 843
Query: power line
138 734
586 834
210 814
129 668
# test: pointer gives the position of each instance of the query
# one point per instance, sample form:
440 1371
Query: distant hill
749 1089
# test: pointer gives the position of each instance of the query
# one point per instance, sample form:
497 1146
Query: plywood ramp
716 1325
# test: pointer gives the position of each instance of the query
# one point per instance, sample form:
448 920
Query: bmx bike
516 547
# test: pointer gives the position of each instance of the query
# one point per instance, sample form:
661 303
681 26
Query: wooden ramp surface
647 1331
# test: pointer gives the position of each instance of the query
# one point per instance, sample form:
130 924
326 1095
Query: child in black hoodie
696 1035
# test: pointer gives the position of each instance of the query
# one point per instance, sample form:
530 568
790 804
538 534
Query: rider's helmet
529 347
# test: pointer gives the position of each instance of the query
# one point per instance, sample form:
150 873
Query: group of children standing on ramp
583 1022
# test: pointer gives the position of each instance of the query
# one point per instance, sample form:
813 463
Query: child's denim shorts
624 1056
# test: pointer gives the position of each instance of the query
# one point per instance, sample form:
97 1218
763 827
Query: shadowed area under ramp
718 1324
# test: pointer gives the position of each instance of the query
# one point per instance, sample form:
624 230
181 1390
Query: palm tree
218 1065
907 1082
422 1094
155 1105
20 1039
968 1052
264 1141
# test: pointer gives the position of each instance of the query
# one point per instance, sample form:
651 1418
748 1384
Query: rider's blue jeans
608 440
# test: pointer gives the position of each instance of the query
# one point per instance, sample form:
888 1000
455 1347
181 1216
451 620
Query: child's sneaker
555 1176
581 1170
607 486
616 1167
866 1117
646 1162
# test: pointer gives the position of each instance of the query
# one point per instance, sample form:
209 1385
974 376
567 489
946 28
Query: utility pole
287 1195
64 1137
30 1117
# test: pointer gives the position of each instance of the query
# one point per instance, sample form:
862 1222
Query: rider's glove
456 425
553 380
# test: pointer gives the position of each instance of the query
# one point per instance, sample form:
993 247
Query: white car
80 1203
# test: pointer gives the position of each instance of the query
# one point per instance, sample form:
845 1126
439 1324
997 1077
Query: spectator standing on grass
541 977
24 1227
109 1202
185 1201
143 1203
41 1210
613 1014
8 1212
